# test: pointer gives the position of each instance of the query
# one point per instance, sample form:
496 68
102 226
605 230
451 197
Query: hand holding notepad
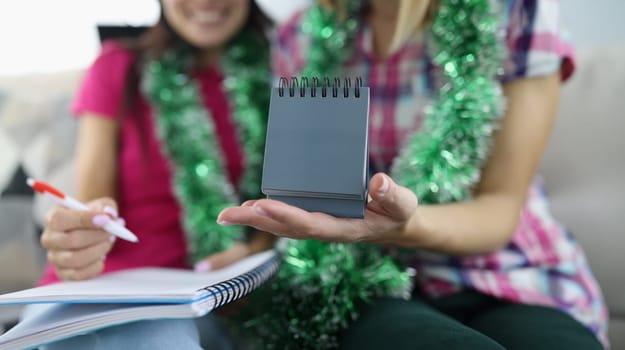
316 170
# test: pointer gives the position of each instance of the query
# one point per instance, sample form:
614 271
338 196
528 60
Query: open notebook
73 308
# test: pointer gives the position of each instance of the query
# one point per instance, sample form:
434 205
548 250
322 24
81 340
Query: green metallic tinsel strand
317 290
186 130
248 82
315 293
331 39
442 163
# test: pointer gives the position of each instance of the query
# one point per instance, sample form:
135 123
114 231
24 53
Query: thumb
222 259
106 205
394 200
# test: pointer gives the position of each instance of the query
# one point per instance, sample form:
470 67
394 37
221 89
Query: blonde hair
412 16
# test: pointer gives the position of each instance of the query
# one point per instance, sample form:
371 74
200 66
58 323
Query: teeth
207 16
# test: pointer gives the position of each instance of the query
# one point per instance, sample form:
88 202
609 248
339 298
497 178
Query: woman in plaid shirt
496 270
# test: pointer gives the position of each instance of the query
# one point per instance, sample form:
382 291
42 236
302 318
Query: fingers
63 219
297 220
86 272
81 258
287 221
223 259
389 207
73 240
250 217
395 201
305 225
106 205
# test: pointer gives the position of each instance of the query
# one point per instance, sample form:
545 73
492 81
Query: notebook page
51 322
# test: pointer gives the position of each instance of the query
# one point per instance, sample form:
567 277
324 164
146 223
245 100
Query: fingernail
121 221
223 222
385 186
111 211
112 239
100 220
203 266
260 211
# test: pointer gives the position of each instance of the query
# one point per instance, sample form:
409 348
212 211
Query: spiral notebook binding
324 85
231 290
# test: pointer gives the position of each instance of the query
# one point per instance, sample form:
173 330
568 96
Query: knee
403 324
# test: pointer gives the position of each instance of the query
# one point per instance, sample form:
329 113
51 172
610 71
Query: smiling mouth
208 17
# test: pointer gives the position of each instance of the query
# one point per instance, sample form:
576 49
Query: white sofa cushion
584 169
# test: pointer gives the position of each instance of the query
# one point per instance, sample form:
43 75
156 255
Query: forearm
481 225
92 184
96 158
487 222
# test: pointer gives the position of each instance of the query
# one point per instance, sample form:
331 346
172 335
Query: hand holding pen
112 227
76 240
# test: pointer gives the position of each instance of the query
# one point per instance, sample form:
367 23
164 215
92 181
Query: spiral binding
326 86
231 290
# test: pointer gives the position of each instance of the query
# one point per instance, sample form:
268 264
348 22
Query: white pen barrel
120 231
67 202
74 204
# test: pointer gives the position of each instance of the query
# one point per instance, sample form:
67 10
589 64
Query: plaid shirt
543 264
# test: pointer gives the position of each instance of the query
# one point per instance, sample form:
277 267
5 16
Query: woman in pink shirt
132 124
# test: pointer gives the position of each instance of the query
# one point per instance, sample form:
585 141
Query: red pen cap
42 187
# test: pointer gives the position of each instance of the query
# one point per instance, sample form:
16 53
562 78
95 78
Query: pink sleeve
537 42
102 88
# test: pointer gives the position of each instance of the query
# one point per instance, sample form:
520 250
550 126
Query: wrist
416 231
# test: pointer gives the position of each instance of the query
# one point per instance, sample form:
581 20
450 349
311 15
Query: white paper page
53 322
137 285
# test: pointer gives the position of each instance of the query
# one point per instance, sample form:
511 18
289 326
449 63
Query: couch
35 140
584 169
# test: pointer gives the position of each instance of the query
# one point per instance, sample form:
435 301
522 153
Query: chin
212 42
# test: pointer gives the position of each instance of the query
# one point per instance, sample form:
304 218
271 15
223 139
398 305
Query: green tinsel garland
314 295
442 162
187 133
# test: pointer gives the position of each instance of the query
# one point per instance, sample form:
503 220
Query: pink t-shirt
145 197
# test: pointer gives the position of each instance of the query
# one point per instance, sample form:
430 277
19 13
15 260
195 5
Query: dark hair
161 37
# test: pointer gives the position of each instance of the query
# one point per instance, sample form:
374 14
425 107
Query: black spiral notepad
316 153
73 308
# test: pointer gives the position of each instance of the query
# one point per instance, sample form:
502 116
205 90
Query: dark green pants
464 321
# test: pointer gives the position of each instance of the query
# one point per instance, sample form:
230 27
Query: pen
111 227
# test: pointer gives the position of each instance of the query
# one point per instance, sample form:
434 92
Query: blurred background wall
30 29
